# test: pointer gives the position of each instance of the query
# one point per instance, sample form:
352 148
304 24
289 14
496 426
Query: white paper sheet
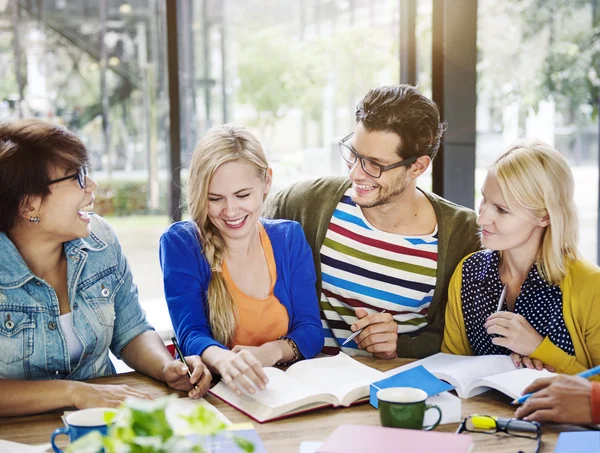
14 447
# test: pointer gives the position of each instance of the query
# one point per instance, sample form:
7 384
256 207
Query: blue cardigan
186 275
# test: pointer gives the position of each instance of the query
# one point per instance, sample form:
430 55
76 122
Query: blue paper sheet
417 377
578 442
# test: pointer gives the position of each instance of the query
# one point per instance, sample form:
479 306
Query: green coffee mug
404 407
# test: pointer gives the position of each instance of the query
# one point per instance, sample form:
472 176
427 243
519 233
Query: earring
35 219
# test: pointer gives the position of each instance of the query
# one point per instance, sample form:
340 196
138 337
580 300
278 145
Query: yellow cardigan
581 311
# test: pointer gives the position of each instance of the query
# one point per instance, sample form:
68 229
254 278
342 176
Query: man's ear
420 166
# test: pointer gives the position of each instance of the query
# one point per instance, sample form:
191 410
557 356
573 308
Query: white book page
460 370
338 375
283 389
468 369
513 382
283 395
7 446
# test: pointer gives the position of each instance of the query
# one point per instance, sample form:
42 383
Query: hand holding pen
194 373
542 383
355 334
561 399
511 330
376 333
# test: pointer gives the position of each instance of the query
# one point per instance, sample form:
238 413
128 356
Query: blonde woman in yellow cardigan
529 227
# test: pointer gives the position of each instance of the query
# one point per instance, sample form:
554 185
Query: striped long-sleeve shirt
362 267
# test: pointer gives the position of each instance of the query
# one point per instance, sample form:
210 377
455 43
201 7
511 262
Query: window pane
55 65
291 71
536 78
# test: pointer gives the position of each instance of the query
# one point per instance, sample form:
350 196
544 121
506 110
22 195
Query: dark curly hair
403 110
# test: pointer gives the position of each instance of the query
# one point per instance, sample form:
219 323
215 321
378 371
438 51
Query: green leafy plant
142 427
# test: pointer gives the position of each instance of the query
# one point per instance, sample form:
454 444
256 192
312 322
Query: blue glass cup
82 422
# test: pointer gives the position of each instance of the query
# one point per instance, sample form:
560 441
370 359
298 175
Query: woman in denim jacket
66 289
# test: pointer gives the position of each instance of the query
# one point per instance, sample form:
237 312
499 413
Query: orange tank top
259 320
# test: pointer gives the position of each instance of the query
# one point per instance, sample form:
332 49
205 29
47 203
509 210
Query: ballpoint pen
182 358
355 334
502 297
584 374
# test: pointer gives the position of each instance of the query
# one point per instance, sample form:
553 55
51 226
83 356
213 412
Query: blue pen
585 374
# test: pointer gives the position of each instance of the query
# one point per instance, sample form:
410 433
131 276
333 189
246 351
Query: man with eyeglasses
385 249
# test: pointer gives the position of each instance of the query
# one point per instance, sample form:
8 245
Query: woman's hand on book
268 354
242 371
515 332
527 362
379 335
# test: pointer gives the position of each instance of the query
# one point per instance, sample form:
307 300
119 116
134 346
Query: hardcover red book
305 386
363 438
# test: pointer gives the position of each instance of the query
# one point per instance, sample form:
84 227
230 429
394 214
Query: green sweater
311 203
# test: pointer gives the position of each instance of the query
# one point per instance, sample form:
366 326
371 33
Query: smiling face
64 213
502 227
367 191
235 199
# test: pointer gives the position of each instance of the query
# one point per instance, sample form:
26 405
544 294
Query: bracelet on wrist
297 356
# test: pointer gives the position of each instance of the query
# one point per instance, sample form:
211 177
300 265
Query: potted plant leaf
141 426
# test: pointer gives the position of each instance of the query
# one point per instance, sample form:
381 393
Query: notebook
473 375
578 442
361 439
306 385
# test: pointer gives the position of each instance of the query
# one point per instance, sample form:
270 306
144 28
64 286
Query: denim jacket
103 300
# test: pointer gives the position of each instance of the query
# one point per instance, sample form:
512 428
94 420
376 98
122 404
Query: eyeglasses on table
487 424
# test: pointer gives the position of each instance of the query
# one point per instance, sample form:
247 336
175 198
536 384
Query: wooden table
284 436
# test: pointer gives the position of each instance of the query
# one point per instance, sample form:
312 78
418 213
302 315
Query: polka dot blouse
539 303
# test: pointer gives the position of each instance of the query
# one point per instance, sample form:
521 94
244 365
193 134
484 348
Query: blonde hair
539 179
221 144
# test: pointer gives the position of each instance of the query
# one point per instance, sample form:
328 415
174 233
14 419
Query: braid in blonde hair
221 144
222 313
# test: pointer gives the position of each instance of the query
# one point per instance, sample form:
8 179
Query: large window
291 71
538 76
98 67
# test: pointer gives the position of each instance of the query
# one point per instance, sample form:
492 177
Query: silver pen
502 298
355 334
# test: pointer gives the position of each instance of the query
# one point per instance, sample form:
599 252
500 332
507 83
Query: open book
306 385
473 375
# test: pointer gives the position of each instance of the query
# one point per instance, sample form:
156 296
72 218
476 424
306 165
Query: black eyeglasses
81 176
370 167
486 424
